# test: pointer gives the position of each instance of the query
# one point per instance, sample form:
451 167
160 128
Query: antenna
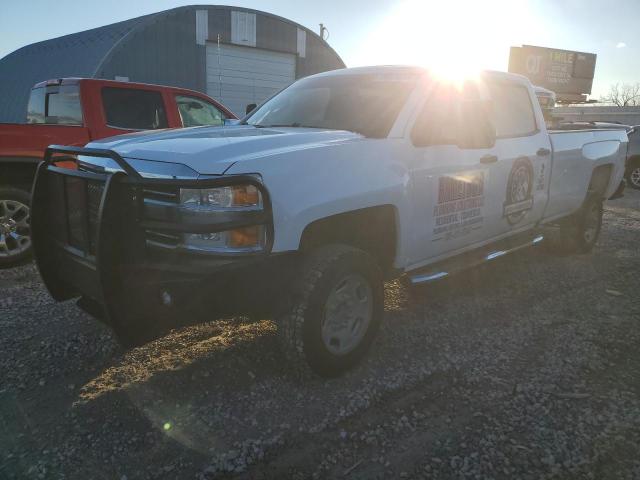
324 30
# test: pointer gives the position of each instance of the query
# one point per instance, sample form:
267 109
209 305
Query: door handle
543 152
488 158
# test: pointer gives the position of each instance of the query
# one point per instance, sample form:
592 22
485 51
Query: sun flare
454 39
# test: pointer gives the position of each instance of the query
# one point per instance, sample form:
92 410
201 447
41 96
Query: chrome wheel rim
15 228
592 220
635 177
347 314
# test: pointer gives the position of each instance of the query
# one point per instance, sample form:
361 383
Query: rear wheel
580 232
334 312
589 224
15 226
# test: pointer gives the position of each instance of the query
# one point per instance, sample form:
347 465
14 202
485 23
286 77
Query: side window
195 112
438 122
134 109
455 115
63 107
35 108
55 105
512 111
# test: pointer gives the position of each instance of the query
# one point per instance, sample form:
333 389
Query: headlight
235 198
240 240
241 197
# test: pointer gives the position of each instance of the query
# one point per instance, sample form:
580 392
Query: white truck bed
576 153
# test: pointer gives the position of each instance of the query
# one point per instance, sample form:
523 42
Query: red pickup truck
74 111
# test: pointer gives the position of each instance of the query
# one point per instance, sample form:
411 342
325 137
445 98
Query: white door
451 189
238 76
521 172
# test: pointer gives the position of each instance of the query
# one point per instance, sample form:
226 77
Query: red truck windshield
59 105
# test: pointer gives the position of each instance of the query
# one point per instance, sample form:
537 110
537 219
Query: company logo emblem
519 191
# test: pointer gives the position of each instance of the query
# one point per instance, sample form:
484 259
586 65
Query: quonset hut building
236 55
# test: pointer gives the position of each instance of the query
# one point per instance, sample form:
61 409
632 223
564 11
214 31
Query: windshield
366 104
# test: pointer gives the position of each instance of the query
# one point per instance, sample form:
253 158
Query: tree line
623 95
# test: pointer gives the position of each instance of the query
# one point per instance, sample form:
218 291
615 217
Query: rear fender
608 166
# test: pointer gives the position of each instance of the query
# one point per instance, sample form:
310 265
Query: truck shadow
211 387
235 351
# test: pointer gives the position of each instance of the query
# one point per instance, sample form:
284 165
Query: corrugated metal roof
75 55
84 54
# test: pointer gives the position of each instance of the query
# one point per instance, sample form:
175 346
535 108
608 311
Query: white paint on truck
448 199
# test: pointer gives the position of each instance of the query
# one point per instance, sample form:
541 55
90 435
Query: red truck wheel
633 174
15 229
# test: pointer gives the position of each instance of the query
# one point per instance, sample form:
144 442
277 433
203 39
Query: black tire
579 233
633 174
300 326
589 224
20 253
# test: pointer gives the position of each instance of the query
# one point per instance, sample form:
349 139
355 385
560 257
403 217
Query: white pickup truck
303 209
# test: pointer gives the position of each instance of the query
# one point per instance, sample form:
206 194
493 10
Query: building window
243 28
202 26
133 109
302 43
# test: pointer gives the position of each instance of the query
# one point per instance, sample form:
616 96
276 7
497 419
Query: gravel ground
526 368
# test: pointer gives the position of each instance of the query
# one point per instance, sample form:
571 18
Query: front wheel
633 175
334 311
15 226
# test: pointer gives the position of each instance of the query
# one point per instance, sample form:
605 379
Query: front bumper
112 236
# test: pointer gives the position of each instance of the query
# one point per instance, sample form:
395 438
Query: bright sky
439 33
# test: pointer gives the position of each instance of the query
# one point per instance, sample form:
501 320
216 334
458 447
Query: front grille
94 196
87 167
167 199
162 238
162 194
74 210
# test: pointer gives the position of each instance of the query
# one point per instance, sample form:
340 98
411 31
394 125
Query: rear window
59 105
134 109
512 111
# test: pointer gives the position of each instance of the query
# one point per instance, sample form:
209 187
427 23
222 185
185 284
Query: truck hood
212 150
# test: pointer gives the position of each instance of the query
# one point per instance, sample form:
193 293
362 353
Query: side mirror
476 130
250 108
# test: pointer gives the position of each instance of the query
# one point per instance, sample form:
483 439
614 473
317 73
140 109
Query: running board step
474 258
